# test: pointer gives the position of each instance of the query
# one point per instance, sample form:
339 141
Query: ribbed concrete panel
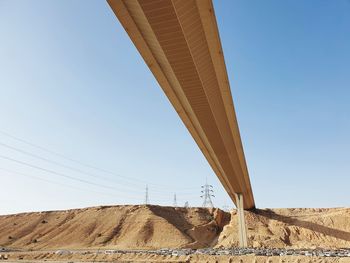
179 41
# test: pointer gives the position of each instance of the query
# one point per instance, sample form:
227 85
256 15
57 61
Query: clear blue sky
72 82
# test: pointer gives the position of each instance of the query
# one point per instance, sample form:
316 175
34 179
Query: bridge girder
180 43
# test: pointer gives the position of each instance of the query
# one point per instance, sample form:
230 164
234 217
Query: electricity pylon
146 196
207 191
175 201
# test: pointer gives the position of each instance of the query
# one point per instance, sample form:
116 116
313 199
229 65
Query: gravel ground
234 252
209 251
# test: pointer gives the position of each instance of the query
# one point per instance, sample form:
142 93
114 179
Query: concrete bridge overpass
180 43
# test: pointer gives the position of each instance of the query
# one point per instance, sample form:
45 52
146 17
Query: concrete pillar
242 229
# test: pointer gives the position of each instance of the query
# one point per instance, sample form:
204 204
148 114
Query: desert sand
122 227
294 228
154 227
51 257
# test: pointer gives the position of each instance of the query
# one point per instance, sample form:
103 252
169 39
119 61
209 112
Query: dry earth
295 228
122 227
51 257
152 227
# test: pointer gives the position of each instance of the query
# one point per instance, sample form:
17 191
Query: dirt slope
152 227
123 227
298 228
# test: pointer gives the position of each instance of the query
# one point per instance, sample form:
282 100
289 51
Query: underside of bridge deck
179 41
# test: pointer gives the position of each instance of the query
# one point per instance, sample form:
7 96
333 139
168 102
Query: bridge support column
242 229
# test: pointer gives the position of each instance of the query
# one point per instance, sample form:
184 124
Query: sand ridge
123 227
155 227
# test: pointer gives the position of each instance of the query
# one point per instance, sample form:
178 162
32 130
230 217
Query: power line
72 178
74 187
51 161
57 173
61 184
60 155
72 168
158 192
57 163
80 163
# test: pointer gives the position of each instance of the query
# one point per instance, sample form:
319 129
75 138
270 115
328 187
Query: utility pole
207 194
175 202
146 196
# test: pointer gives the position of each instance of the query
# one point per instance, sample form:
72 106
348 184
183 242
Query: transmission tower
226 208
146 196
186 204
207 194
175 201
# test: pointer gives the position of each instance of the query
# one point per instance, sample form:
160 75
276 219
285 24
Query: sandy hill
152 227
124 227
298 228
